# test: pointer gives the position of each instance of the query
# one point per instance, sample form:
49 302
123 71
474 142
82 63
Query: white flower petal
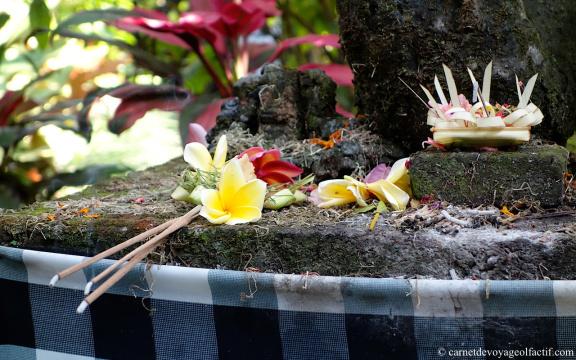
398 170
220 152
198 156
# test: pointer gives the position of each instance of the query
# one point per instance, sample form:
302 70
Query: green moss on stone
534 173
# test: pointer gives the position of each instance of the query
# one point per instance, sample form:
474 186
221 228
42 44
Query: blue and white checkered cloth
167 312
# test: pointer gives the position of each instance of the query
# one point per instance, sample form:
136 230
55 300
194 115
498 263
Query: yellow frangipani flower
197 155
395 188
239 199
341 192
358 189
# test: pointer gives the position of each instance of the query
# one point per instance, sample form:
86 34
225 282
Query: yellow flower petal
236 201
398 170
404 184
244 214
198 156
384 190
399 175
250 194
330 189
212 209
214 218
211 200
335 202
335 193
358 189
231 181
360 194
247 168
220 152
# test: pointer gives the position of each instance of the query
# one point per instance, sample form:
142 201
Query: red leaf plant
137 100
313 39
339 73
268 166
225 26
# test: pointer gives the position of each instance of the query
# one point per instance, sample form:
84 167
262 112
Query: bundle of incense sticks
122 266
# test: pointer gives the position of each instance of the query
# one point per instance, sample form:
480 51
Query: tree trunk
411 39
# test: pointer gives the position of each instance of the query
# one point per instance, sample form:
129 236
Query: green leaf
2 51
381 207
571 143
39 15
87 176
94 15
3 19
365 209
192 111
40 22
142 57
279 200
9 135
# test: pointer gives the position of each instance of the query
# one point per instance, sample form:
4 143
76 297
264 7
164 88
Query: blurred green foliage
53 76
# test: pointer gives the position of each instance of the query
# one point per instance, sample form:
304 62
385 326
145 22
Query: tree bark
411 39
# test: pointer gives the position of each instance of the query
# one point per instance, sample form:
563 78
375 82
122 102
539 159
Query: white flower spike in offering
459 122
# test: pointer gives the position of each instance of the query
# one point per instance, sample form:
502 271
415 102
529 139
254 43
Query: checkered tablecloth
168 312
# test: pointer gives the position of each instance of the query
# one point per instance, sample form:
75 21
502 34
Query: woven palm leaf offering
479 123
224 192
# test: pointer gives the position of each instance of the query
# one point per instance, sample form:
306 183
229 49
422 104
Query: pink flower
269 167
378 173
445 107
464 103
434 144
381 171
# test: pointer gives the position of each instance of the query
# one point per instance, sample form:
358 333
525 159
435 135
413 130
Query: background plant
177 56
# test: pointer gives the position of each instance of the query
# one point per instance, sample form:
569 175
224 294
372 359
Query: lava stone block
534 173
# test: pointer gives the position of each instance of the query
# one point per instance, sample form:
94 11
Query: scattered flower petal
378 173
506 212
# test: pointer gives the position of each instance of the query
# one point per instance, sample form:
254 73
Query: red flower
269 167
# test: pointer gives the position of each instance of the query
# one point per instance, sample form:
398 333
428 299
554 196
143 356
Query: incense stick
414 92
176 225
136 239
144 247
483 104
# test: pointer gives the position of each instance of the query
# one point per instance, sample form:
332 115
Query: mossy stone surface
279 103
534 173
294 240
